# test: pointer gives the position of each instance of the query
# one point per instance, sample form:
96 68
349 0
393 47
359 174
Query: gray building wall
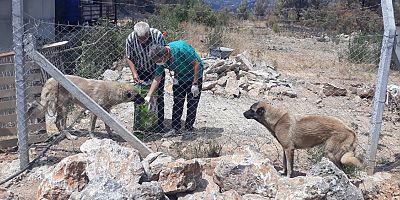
43 10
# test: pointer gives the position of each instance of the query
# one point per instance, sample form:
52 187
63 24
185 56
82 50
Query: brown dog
55 99
306 132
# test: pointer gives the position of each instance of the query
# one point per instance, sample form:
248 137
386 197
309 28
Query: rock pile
240 76
106 170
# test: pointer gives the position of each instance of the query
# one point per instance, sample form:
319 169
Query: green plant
364 49
215 37
315 154
206 149
275 28
99 47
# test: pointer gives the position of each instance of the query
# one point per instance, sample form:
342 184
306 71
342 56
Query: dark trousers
160 96
182 91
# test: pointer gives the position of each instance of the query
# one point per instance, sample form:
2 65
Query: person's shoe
171 133
189 128
160 129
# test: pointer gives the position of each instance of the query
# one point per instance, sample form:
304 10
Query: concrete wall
43 10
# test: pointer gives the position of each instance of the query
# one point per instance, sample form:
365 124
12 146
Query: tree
242 10
259 8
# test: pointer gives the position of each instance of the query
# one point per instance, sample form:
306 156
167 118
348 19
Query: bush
215 37
97 48
364 48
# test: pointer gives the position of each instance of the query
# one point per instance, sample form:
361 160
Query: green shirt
181 62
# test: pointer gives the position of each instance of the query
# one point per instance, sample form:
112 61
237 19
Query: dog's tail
350 159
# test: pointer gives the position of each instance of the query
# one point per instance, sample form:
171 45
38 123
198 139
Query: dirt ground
304 61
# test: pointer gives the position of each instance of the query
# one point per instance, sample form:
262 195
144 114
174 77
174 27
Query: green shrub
215 37
99 47
364 49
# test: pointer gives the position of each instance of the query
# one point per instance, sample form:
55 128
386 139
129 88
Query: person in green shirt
182 59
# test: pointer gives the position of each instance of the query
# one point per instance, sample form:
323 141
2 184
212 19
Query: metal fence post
83 97
18 31
396 49
381 85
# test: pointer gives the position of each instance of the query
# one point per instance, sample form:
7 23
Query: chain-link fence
204 78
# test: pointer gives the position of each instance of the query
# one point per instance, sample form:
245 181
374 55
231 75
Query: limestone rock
247 173
153 164
232 87
222 81
339 186
108 159
180 176
211 77
110 75
331 90
244 59
68 176
228 195
6 194
209 85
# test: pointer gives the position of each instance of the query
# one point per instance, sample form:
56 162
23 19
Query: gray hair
157 52
141 28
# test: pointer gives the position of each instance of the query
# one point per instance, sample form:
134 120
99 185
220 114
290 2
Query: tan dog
306 132
55 99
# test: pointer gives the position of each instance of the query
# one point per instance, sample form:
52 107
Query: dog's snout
249 114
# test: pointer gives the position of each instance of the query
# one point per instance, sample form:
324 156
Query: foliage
259 8
364 48
93 49
315 154
170 17
206 149
215 37
242 10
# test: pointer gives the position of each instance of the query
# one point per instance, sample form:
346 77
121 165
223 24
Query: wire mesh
232 80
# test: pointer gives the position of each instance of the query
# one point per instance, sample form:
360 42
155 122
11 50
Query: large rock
247 173
338 184
207 184
209 85
232 87
108 159
228 195
332 90
323 181
6 194
222 81
371 185
302 188
211 77
180 176
104 188
153 164
126 74
254 197
244 59
365 92
68 176
110 75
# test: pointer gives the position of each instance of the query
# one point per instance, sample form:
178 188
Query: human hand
147 99
195 90
136 78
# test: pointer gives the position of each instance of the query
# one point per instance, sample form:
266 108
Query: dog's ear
260 111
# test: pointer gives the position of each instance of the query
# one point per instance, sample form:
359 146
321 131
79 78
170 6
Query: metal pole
381 86
85 99
396 49
22 131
